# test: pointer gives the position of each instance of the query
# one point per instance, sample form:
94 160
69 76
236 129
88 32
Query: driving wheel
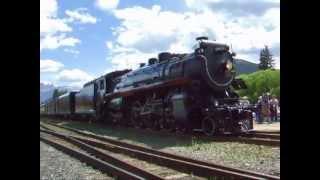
209 126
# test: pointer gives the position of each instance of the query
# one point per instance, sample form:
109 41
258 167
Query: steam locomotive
180 92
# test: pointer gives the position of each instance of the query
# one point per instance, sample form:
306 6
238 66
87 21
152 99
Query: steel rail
263 135
265 132
210 168
103 166
104 156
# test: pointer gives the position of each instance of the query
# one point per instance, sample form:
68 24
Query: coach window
101 84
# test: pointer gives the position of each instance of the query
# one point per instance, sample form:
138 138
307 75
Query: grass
232 153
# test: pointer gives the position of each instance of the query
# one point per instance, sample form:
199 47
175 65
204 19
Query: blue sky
80 40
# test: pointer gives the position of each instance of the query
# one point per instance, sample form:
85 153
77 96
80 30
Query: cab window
101 84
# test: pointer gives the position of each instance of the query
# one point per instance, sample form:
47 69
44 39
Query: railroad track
248 138
265 132
180 164
267 138
104 163
263 135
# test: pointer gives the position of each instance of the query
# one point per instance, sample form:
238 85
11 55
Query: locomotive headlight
216 103
229 65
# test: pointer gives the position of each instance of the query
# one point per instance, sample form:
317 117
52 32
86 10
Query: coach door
101 90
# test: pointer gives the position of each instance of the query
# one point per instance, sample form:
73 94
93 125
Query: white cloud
74 77
234 7
81 15
53 72
55 31
49 23
143 33
128 59
48 65
109 44
72 51
249 25
46 83
51 26
277 62
107 5
48 8
54 42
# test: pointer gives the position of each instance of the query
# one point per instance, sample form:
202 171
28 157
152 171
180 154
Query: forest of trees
261 82
267 79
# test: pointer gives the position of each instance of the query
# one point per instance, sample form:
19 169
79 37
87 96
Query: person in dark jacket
258 110
274 103
265 107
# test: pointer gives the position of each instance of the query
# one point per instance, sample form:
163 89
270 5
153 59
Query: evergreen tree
266 59
57 93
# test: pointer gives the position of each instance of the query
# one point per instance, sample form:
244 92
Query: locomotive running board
154 86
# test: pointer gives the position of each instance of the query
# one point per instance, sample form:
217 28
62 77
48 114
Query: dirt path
267 127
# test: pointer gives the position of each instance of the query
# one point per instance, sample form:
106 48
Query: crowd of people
268 108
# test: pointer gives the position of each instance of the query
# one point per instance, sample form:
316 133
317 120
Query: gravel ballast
265 159
56 165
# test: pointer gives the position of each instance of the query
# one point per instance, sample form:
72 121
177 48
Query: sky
83 39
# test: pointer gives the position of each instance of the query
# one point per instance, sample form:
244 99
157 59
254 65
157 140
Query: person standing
274 103
265 108
258 110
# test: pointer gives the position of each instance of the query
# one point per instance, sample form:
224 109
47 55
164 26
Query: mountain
46 90
245 67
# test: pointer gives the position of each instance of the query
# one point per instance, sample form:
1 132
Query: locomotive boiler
176 92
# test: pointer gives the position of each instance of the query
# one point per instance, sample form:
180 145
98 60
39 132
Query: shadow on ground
151 139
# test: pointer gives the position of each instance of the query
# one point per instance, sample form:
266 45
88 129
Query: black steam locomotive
174 92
